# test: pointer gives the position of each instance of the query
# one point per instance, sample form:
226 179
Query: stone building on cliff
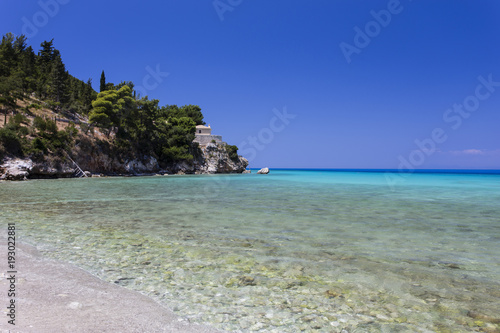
204 136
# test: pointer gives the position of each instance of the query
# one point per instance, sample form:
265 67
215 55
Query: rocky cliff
215 159
26 168
212 159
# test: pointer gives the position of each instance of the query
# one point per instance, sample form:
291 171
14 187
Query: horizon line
443 170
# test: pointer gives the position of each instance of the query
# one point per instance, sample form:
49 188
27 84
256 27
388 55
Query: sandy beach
53 296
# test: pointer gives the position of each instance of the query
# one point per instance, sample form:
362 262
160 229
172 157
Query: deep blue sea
294 250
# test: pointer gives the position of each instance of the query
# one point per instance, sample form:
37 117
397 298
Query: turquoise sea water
310 250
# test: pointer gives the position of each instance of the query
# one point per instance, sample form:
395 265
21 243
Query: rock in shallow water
263 171
246 281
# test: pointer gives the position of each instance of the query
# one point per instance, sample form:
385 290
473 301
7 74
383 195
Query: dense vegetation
132 126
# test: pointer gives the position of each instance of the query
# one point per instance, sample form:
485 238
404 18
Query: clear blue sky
360 99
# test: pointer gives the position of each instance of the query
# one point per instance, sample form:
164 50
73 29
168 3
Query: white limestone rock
263 171
15 169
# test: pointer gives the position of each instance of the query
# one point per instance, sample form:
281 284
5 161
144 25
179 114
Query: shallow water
293 250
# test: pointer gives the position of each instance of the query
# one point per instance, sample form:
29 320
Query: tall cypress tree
103 82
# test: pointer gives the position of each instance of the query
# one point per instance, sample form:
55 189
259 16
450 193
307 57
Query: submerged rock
477 315
247 281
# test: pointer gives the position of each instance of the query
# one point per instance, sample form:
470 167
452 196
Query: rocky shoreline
213 159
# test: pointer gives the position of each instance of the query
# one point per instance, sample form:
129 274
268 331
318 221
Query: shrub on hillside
51 126
43 125
34 106
2 152
172 154
19 119
71 130
232 151
23 131
38 146
10 141
40 124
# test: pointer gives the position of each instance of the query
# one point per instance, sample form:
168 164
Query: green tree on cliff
190 111
103 112
180 133
112 109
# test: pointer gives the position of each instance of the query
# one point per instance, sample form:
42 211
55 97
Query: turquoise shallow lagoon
289 251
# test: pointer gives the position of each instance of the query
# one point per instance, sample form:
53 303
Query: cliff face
213 159
23 169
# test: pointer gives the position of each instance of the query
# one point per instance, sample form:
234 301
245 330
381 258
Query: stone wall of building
203 130
204 140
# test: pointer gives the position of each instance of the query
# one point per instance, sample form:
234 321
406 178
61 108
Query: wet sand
54 296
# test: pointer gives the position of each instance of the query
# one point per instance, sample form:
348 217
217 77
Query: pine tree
10 76
20 44
9 94
59 80
27 68
7 55
44 65
46 56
